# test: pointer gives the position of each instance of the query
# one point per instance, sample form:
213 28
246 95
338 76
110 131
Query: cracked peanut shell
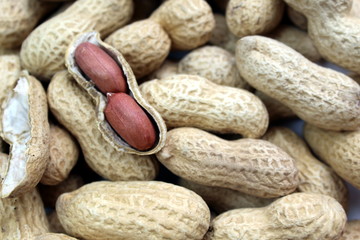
100 99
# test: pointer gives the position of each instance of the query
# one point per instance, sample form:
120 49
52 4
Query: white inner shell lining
16 128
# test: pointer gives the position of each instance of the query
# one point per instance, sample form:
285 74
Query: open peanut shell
24 126
100 99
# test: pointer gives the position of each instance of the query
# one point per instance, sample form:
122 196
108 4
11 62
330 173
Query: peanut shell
192 101
74 109
214 64
64 153
18 18
144 45
318 95
100 99
334 30
252 166
296 216
133 210
314 176
42 52
23 217
338 149
25 128
188 23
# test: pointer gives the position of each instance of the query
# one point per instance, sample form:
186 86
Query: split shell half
100 99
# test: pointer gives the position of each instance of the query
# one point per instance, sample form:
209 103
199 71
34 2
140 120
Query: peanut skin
130 121
100 68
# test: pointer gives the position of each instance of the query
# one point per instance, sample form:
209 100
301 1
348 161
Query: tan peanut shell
291 36
252 166
133 210
298 40
320 96
144 44
192 101
314 176
29 145
64 153
75 110
335 33
50 194
301 21
251 17
22 217
9 73
224 199
296 216
18 18
351 231
213 63
54 236
221 35
338 149
100 99
188 23
167 69
276 109
42 52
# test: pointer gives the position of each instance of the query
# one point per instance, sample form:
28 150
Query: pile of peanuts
150 119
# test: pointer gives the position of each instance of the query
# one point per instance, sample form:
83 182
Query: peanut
214 64
339 149
334 31
167 69
18 18
251 17
192 101
224 199
297 40
144 44
133 210
42 52
100 68
222 36
25 127
296 216
64 153
251 166
23 217
107 131
314 176
9 74
320 96
75 110
188 23
130 121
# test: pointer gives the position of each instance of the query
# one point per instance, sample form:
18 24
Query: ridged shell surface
253 166
192 101
133 210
